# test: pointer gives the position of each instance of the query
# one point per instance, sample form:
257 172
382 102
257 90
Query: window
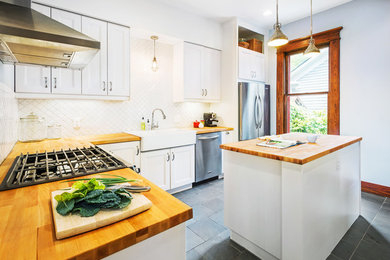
308 93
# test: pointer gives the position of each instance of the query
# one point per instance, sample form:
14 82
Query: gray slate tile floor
207 237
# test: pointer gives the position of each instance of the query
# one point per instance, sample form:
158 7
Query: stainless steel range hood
27 36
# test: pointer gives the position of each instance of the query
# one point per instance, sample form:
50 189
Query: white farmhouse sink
165 138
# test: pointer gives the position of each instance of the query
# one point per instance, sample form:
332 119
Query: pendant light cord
277 12
311 19
154 48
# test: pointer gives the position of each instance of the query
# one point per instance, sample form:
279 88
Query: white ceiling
252 10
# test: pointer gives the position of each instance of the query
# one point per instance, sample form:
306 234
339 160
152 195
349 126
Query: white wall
364 83
8 111
148 15
148 90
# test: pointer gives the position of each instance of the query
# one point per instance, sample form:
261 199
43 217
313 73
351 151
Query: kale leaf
93 201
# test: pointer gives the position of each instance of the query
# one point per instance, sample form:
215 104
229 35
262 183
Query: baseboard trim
376 189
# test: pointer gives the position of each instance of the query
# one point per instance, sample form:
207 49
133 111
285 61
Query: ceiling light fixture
154 62
311 50
278 38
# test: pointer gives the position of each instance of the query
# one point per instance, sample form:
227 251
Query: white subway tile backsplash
8 112
149 90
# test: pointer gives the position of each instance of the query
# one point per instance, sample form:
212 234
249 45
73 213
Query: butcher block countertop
26 222
299 154
206 130
111 138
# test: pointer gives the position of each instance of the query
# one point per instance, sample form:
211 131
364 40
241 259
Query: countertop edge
289 159
132 239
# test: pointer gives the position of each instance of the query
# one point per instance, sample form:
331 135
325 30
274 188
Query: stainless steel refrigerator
254 110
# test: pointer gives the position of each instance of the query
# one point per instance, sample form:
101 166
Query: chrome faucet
155 124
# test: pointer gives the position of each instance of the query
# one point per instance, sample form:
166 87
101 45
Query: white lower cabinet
129 152
169 168
156 167
182 166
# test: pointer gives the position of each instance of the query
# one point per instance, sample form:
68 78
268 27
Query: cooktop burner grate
30 169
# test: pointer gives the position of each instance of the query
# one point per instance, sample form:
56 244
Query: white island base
283 210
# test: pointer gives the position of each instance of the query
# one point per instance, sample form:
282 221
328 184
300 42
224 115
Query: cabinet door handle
137 150
202 92
45 82
168 157
255 74
55 82
173 156
104 86
110 85
205 91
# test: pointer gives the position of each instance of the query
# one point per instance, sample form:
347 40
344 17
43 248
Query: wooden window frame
330 38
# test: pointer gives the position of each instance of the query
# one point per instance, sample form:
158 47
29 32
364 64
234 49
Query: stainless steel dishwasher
208 156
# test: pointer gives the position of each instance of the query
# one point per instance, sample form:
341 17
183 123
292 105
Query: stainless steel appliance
209 119
208 156
27 36
254 110
31 169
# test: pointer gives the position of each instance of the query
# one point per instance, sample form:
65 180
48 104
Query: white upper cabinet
201 73
32 79
193 71
118 60
211 73
41 8
107 76
251 65
94 75
66 81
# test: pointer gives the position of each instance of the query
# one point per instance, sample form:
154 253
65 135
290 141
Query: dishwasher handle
208 138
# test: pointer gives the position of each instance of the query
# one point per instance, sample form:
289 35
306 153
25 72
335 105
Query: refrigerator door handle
259 112
256 112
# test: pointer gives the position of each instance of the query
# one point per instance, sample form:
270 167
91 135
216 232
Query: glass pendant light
311 50
154 62
278 38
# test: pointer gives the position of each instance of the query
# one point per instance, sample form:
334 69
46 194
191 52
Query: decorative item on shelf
278 38
154 62
242 43
312 49
255 45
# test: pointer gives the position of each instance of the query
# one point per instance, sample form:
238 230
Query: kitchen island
294 203
27 229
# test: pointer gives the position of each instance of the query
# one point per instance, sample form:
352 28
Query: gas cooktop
31 169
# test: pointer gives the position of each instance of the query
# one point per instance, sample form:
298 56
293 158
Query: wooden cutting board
66 226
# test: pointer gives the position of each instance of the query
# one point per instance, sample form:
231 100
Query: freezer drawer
208 156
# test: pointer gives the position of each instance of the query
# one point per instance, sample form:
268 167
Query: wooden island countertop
299 154
26 222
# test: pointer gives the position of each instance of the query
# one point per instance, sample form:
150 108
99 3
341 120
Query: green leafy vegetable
64 208
80 190
106 181
87 202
